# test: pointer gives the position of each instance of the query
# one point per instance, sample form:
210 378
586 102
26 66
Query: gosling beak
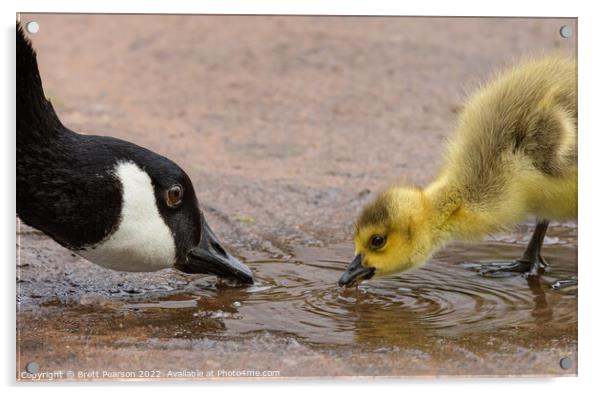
356 272
209 257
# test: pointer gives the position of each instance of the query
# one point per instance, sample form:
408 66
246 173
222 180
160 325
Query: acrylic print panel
287 127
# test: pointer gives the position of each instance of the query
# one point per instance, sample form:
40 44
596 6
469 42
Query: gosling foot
526 267
564 283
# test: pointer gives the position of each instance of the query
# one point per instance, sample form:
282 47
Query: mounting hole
32 367
566 363
566 31
33 27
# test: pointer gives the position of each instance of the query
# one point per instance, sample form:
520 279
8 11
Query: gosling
514 154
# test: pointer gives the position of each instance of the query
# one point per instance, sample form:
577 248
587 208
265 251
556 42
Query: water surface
445 310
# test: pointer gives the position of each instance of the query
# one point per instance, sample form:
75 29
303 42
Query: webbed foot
560 284
530 264
524 266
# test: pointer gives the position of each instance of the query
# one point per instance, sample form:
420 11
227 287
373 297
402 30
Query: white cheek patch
142 241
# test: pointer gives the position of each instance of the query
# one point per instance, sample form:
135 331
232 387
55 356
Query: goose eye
377 241
174 195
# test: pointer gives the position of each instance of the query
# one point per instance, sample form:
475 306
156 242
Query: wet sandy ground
287 126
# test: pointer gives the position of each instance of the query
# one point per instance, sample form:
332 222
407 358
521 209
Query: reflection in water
542 313
442 299
445 298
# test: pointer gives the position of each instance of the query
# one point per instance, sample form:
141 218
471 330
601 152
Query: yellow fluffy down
514 154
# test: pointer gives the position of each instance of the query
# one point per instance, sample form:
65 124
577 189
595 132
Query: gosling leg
531 263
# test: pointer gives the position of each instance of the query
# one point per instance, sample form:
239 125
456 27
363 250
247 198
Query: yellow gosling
514 154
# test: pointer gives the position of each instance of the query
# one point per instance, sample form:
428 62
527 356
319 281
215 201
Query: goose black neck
36 118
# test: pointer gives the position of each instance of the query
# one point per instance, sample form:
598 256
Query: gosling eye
377 241
174 195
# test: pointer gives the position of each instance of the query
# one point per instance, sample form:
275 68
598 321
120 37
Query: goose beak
209 257
356 272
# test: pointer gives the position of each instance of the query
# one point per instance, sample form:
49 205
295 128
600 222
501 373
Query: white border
590 160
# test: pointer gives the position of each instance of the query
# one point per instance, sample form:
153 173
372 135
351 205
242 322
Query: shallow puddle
298 299
446 297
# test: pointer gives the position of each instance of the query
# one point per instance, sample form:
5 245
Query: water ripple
446 297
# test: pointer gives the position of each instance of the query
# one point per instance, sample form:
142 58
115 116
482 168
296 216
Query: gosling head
392 235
